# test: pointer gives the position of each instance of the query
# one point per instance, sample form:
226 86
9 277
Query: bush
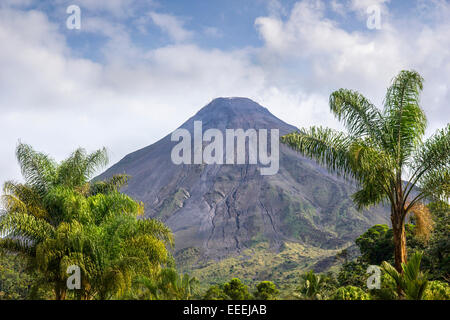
412 282
387 291
350 293
311 286
215 293
236 290
266 290
437 290
353 273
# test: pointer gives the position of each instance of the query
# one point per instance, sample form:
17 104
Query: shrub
350 293
311 286
215 293
412 282
437 290
236 290
266 290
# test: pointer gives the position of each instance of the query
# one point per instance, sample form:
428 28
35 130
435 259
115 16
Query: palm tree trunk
398 228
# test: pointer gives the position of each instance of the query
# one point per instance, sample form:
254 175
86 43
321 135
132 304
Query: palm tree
412 281
168 284
383 151
29 218
58 218
311 285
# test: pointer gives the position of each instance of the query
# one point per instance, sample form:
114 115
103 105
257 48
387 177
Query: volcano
223 209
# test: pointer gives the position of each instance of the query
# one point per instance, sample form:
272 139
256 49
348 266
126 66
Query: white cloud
57 101
362 60
117 8
362 5
338 7
212 32
171 25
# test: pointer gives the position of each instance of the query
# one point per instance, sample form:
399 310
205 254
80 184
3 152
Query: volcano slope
220 212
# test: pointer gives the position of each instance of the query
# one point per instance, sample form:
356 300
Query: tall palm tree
383 151
59 218
28 217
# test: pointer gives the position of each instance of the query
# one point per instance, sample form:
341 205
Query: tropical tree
168 284
411 281
15 278
58 218
377 245
311 285
236 290
109 254
215 292
437 253
266 290
383 151
29 218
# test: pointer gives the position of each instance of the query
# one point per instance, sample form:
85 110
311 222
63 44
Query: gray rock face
224 209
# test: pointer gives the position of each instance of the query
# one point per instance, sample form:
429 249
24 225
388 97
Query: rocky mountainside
222 210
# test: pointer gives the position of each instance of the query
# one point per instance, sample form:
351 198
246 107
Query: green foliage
350 293
215 292
412 281
387 291
111 185
311 286
380 148
437 252
167 285
437 290
236 290
59 219
266 290
353 273
15 279
377 243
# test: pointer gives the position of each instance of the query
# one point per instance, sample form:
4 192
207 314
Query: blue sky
138 69
216 23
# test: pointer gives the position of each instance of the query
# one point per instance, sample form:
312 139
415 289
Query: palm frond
38 169
18 245
327 146
431 165
405 121
360 117
111 185
20 224
79 167
23 198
